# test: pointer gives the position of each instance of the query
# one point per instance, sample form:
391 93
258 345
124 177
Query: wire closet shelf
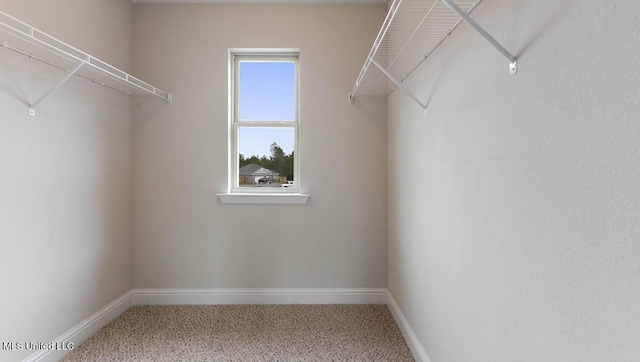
22 38
411 32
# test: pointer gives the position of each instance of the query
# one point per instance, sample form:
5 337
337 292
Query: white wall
65 177
514 204
183 236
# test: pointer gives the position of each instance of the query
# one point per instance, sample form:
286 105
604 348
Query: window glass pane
266 91
265 157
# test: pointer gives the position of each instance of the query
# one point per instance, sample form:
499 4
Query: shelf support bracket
513 65
70 73
398 84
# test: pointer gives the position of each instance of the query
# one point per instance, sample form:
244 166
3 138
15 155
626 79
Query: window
265 122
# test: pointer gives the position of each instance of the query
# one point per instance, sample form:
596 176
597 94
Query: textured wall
514 204
65 177
183 235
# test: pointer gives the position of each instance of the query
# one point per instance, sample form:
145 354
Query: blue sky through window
257 141
266 92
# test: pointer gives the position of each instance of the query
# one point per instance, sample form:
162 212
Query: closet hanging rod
440 42
376 44
4 45
404 46
102 72
410 33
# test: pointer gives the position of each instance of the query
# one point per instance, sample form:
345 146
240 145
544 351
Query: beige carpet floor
248 333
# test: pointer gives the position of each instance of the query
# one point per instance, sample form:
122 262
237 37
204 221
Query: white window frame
271 195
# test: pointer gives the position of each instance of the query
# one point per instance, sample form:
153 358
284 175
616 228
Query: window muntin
265 123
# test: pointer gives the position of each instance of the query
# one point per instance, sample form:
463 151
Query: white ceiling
259 1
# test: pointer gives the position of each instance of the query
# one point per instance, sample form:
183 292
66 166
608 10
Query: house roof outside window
256 170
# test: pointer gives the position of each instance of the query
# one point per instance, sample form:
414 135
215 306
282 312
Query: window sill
285 199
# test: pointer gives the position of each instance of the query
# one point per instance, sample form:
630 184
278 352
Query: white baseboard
94 323
85 329
419 354
259 296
